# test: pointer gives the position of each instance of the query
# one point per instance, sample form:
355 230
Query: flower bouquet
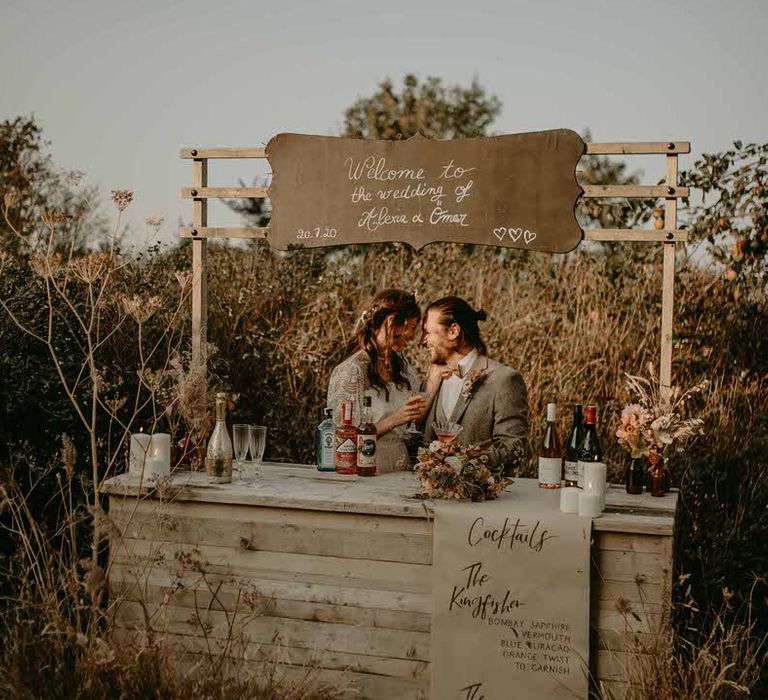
650 426
455 471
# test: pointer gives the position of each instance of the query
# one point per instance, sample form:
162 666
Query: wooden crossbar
638 148
633 191
635 235
593 149
217 232
223 192
590 192
629 235
198 153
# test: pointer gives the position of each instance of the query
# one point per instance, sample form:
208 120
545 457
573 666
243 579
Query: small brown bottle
366 442
345 438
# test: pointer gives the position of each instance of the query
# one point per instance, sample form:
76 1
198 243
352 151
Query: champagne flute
258 441
241 439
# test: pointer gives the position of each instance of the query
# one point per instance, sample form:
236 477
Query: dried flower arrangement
648 425
454 471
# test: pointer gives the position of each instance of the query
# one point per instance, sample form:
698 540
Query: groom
486 398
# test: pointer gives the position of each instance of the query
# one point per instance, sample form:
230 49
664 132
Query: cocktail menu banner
515 191
510 612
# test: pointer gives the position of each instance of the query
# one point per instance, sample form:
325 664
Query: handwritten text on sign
517 191
510 600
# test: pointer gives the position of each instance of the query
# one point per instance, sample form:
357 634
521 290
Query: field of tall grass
96 346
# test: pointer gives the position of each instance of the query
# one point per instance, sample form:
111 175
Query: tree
31 189
429 108
733 215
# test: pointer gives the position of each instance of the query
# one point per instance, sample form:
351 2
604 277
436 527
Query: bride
377 368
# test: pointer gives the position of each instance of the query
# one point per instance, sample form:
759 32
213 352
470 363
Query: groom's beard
439 356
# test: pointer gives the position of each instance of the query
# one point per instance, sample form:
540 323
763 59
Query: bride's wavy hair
401 306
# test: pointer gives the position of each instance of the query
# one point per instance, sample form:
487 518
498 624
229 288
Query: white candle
138 453
160 448
590 504
569 499
595 474
155 467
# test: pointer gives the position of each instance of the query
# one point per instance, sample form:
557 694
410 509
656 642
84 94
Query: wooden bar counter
303 568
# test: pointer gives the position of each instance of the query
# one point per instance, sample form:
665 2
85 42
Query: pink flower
634 414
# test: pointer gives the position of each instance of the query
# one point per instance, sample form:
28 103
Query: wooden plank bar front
336 572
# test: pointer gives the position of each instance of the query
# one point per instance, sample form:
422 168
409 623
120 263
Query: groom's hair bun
456 310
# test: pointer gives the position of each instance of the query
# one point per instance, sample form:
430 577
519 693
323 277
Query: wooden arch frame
669 236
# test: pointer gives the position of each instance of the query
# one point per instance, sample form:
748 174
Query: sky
120 87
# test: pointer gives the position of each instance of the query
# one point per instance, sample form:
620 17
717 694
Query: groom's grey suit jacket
496 410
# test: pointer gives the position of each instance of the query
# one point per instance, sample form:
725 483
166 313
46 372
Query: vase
635 476
659 478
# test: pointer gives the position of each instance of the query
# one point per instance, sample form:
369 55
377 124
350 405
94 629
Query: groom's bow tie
457 371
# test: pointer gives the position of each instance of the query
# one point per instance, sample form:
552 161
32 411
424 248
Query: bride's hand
412 409
438 372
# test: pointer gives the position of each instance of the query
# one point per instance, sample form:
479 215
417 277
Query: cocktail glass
446 431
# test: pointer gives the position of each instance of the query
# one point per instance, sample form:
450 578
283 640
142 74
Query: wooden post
668 284
199 273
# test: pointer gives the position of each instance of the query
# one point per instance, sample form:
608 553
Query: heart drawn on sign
515 233
529 236
499 232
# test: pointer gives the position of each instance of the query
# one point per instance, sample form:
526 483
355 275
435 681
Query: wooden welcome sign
514 191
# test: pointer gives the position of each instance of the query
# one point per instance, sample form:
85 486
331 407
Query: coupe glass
258 443
240 441
446 431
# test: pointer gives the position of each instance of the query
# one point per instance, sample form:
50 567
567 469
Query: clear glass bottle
218 458
550 454
326 449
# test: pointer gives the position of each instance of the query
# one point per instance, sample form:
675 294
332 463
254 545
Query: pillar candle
156 467
160 448
569 499
138 453
595 480
590 504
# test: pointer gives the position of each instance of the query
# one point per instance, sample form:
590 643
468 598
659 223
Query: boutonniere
473 380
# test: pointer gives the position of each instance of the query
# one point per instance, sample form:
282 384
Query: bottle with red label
345 438
590 443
